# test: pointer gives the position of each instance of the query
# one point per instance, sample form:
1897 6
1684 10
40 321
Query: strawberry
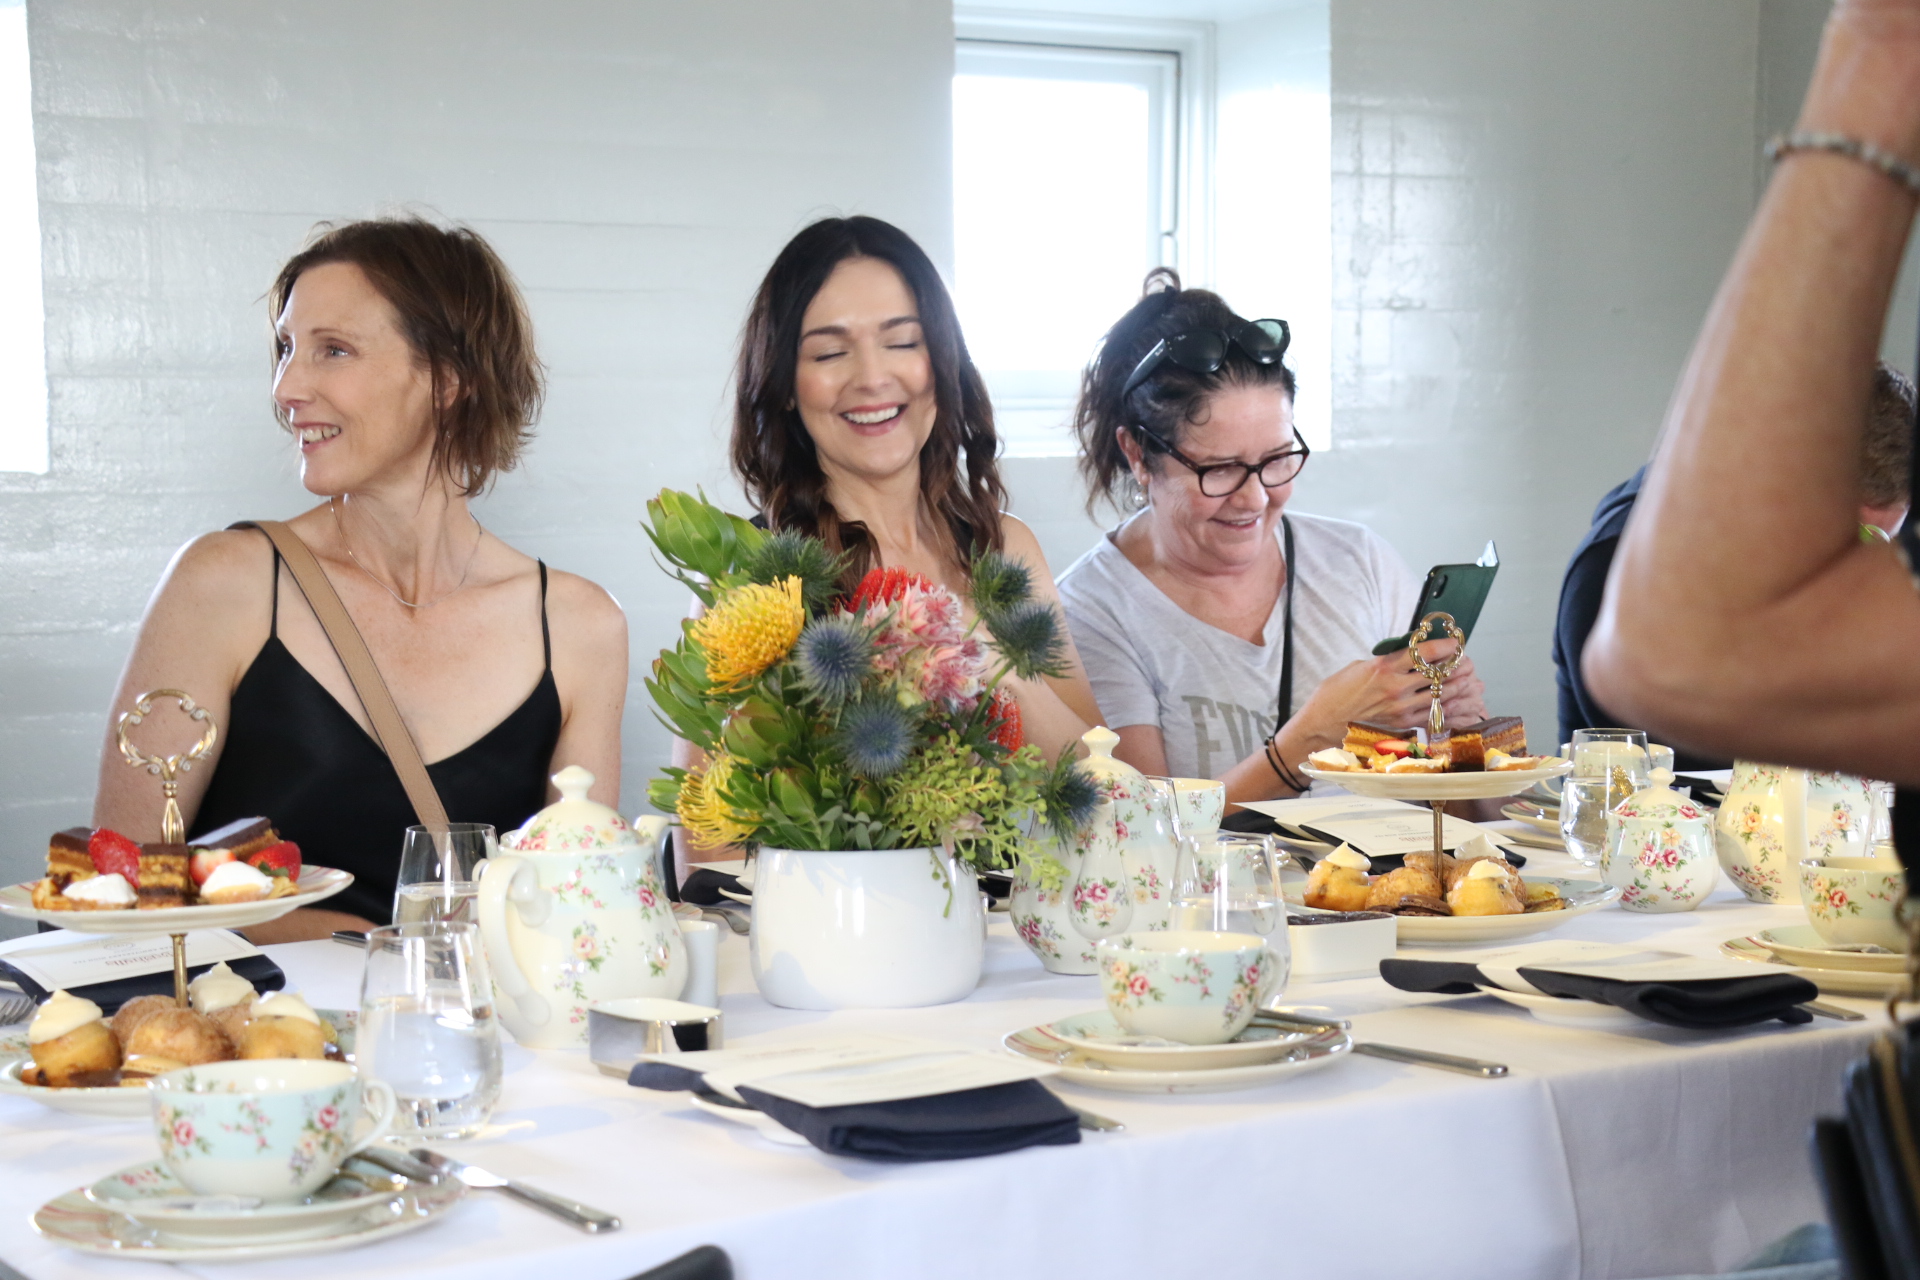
1399 748
201 865
281 859
114 854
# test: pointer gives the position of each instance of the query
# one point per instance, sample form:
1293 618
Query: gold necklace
333 506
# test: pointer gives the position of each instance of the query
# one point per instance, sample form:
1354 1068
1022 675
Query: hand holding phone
1459 590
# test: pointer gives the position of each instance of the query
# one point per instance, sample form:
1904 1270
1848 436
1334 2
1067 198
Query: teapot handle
504 877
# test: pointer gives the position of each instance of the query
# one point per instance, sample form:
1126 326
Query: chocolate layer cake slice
163 877
68 859
1469 743
1362 734
243 837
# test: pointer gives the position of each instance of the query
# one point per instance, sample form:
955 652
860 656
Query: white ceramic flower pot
865 928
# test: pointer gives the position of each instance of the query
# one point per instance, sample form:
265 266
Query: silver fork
15 1007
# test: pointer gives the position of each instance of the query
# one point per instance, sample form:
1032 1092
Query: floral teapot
1774 817
572 912
1660 849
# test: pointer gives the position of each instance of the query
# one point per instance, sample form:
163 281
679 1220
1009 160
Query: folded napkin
1700 1003
703 887
945 1126
262 972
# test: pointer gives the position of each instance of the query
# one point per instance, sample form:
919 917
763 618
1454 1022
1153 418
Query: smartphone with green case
1459 590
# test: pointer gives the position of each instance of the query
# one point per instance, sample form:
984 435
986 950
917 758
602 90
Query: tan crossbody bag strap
371 687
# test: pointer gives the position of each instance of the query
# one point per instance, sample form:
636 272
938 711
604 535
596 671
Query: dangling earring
1139 493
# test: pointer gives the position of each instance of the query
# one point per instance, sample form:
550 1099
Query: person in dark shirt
1883 504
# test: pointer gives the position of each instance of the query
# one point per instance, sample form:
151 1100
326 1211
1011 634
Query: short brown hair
1886 469
462 314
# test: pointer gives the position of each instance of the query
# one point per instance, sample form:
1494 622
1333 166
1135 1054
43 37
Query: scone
70 1041
283 1026
136 1011
1388 889
181 1034
1485 890
1338 882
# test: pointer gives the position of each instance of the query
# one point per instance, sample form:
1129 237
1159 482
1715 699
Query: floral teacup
1193 986
273 1129
1851 900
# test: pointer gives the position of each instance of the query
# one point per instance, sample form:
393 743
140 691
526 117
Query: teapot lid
1099 762
1659 800
573 823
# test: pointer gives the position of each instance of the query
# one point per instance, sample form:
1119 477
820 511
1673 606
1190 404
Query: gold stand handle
173 829
1436 674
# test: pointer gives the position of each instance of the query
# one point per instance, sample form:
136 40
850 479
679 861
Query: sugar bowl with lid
1660 850
572 912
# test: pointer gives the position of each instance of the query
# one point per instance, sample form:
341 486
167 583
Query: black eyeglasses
1205 350
1224 479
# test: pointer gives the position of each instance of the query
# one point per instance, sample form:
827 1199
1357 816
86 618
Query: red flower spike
113 853
884 586
1003 721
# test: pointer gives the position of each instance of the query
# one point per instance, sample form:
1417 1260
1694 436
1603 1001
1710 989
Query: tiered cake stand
316 883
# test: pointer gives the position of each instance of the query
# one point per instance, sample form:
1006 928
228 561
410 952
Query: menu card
64 959
1377 828
854 1067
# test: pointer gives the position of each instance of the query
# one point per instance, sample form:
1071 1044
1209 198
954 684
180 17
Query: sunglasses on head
1205 350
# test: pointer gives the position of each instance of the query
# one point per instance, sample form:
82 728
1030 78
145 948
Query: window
1072 179
23 370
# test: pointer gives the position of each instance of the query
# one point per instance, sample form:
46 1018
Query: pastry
1543 897
235 882
136 1011
1338 882
70 1041
68 859
283 1026
1485 890
101 893
1388 889
163 876
1415 764
225 997
1362 735
1499 761
180 1034
231 843
1335 760
141 1068
1468 744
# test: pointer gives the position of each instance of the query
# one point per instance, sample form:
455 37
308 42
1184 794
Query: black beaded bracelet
1853 148
1281 771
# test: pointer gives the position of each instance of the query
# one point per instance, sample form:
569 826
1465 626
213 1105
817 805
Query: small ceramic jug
1100 901
1041 905
572 912
1143 824
1775 817
1660 850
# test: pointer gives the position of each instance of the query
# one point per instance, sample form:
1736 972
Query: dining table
1609 1153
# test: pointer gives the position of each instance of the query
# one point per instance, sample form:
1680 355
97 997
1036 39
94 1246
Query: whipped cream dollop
233 875
1481 846
218 988
63 1012
1348 856
1333 758
111 890
286 1004
1486 869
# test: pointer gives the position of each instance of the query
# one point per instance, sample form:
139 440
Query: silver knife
1834 1011
1427 1058
570 1211
1094 1123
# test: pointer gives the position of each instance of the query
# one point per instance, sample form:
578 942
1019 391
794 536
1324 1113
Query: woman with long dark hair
1226 637
860 418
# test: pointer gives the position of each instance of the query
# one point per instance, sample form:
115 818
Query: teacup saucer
1310 1053
1099 1037
84 1225
1801 945
152 1196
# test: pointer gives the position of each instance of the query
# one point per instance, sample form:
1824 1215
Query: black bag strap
1286 642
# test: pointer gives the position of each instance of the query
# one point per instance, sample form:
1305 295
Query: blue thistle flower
834 655
1028 636
1070 797
997 583
788 554
874 737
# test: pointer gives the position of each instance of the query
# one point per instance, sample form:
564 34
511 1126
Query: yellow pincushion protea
705 812
749 629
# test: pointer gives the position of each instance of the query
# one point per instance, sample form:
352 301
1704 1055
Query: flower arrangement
870 720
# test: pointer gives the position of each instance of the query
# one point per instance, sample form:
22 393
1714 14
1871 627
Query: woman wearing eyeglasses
1224 636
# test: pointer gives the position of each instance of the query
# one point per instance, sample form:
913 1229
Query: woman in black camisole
406 377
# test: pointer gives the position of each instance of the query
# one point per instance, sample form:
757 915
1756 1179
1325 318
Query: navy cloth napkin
945 1126
262 972
1701 1004
703 887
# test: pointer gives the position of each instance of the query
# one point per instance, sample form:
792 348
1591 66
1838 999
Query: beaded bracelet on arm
1784 144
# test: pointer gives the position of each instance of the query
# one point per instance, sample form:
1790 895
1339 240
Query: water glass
1229 883
1584 803
440 872
427 1028
1618 754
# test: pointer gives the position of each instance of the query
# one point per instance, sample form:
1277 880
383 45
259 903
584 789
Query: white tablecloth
1612 1153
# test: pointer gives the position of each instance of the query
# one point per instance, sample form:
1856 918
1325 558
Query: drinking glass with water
1608 766
440 872
427 1027
1229 883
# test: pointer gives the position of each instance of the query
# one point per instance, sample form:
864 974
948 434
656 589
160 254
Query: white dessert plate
1833 982
80 1224
1526 817
1566 1013
744 899
152 1196
1582 896
1309 1053
1801 944
1535 840
118 1102
759 1121
1438 786
1099 1037
315 883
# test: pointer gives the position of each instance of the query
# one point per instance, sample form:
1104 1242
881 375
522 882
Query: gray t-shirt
1215 696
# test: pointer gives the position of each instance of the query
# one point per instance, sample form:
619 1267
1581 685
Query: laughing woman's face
1241 424
864 383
